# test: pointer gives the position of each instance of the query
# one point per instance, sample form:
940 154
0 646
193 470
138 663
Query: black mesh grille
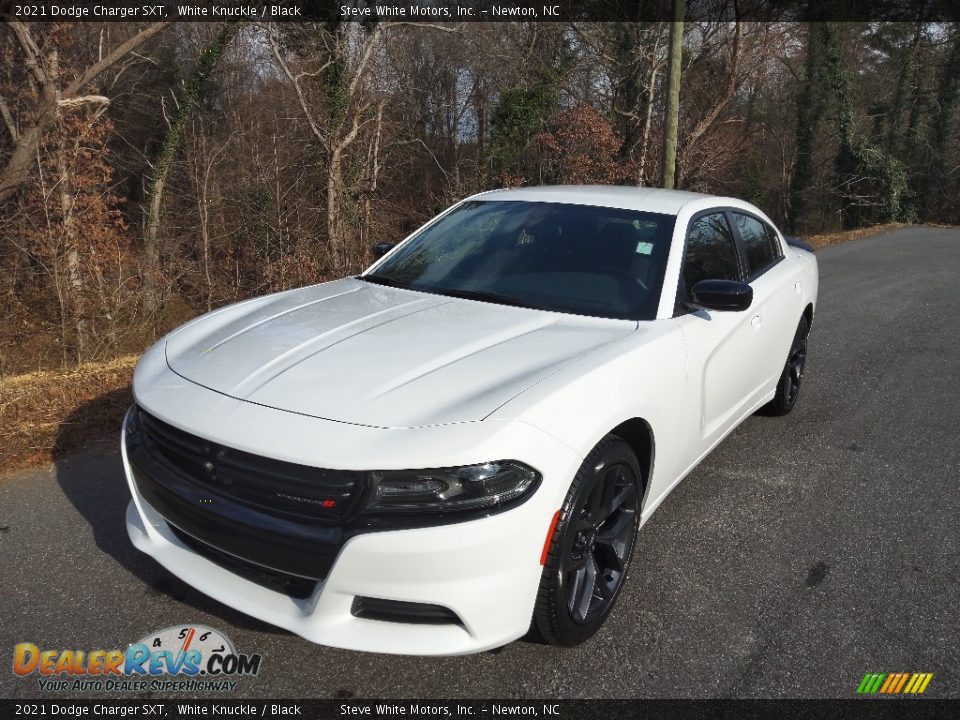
285 583
272 486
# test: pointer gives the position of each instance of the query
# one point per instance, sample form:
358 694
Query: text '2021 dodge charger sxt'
462 442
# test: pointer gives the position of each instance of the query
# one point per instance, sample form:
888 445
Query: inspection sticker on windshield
644 248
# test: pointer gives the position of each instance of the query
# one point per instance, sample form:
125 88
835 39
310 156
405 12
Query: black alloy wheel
788 388
591 547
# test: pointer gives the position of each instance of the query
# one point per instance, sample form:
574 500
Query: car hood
366 354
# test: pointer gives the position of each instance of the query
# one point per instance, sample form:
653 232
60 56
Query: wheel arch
638 434
808 314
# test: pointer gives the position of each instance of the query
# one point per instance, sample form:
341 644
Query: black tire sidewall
552 617
782 391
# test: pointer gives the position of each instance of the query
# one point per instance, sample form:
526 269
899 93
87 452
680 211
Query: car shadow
94 483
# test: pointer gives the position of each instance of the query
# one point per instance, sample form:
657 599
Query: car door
720 344
775 299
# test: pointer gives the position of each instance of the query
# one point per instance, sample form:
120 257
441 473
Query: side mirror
381 249
722 295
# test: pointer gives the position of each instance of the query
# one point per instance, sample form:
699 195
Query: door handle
756 321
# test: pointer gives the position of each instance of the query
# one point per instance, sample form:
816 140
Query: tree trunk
809 112
647 124
908 61
187 100
845 163
334 222
944 126
672 118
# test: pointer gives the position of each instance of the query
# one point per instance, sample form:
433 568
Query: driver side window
710 251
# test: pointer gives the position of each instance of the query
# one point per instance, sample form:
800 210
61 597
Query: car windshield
579 259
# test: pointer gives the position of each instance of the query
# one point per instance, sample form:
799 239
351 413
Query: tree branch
113 56
83 100
31 51
8 120
301 98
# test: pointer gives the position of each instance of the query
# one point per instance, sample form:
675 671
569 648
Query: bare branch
83 100
452 30
113 56
365 58
8 120
301 98
31 51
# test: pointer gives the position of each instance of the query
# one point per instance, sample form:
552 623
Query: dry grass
832 238
44 415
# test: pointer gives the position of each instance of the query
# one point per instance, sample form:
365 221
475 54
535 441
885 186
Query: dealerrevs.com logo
186 658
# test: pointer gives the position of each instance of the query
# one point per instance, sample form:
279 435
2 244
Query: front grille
399 611
285 583
228 500
272 486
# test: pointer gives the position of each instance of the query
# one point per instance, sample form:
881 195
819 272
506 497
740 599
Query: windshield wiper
482 295
384 280
492 297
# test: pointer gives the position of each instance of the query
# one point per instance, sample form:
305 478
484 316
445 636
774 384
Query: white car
461 443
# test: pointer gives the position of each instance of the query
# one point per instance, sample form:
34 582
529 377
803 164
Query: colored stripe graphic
901 682
894 683
871 683
889 681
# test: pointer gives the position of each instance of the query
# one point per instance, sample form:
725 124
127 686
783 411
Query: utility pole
673 96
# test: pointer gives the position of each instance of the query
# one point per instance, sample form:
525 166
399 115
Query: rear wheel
788 388
591 546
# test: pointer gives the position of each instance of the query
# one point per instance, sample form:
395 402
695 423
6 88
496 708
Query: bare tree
53 96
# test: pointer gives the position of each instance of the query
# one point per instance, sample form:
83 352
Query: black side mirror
381 249
722 295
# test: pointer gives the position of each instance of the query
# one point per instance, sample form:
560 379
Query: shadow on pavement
95 485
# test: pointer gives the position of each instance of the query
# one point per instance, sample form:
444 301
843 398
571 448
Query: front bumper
485 571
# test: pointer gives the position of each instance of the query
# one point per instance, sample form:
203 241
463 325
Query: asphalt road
804 552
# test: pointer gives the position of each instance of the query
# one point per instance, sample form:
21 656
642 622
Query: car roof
643 199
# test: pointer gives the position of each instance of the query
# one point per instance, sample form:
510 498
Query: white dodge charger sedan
460 444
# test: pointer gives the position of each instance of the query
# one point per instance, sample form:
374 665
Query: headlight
471 487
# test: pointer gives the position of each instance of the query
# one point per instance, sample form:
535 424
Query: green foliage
521 114
872 183
877 189
809 111
189 96
948 97
335 88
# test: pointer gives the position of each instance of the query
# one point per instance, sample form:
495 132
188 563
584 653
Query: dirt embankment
49 413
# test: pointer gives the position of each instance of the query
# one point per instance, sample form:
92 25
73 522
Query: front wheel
592 543
788 387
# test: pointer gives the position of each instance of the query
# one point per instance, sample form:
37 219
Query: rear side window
710 252
759 243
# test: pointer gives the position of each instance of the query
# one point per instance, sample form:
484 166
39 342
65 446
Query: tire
788 387
593 538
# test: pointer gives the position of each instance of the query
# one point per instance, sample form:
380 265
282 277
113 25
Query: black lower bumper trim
398 611
292 585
